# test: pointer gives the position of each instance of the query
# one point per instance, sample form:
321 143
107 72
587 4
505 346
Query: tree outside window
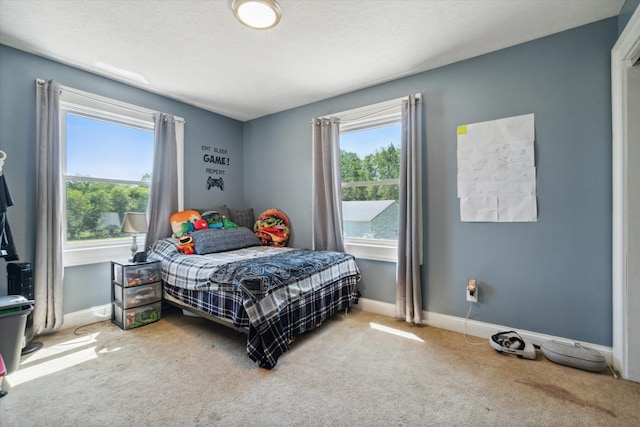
108 164
370 169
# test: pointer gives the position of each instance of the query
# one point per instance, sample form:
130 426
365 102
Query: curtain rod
106 101
391 107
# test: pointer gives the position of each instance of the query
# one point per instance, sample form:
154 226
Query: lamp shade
134 222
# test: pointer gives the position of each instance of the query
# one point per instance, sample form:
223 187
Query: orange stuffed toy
183 222
186 244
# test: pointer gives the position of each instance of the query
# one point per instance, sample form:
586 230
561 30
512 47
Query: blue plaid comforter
258 277
283 292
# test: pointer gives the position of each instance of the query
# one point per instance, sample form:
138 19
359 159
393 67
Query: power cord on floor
75 331
612 370
464 329
104 315
589 354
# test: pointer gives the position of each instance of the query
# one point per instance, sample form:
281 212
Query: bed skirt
269 338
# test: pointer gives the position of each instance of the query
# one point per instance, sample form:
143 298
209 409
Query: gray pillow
211 240
224 210
242 217
574 355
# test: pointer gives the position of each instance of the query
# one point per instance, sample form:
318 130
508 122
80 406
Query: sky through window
102 149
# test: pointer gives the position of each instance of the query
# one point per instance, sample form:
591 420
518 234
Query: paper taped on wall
496 170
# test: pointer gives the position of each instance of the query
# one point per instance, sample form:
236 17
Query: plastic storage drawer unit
127 273
135 317
136 296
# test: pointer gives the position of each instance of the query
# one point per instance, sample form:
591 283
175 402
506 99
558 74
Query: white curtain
409 286
327 194
163 199
48 270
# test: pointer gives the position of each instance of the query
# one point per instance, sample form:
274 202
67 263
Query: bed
273 294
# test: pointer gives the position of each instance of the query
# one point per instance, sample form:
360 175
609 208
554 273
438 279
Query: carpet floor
358 369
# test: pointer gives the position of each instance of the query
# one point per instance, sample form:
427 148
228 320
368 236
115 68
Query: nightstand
136 293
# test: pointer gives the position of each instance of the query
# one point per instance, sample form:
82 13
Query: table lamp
134 223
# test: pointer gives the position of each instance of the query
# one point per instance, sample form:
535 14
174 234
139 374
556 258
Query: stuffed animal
213 218
228 224
186 244
185 227
272 228
182 222
201 224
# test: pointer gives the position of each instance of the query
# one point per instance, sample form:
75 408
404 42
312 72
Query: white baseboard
472 327
87 316
437 320
376 307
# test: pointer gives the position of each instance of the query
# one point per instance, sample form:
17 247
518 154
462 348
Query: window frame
365 118
96 107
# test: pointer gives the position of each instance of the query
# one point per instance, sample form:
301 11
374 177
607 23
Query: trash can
14 310
20 282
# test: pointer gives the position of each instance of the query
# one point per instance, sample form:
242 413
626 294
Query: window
106 163
370 168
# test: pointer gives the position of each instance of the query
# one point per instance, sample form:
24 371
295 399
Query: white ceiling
195 50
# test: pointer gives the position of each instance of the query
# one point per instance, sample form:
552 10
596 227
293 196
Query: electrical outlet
472 297
472 290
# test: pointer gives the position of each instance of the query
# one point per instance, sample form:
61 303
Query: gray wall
552 276
88 286
627 10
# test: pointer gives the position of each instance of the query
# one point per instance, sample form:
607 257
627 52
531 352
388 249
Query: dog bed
574 355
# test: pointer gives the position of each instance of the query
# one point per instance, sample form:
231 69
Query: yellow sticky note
462 130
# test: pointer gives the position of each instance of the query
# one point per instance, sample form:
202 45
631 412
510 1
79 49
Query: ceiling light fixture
257 14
